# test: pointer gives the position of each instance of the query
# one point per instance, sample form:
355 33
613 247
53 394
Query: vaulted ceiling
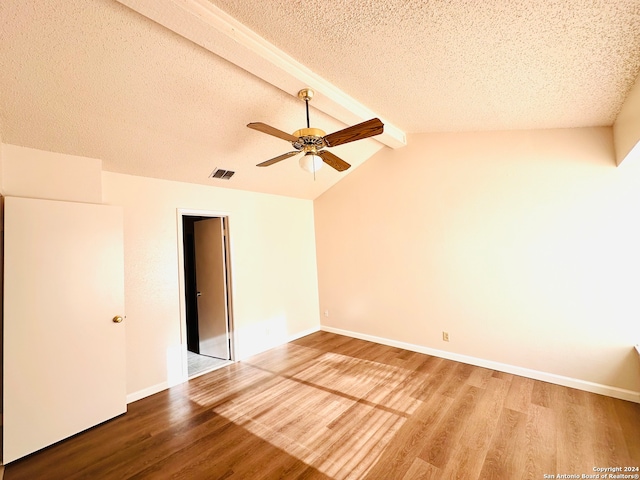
165 88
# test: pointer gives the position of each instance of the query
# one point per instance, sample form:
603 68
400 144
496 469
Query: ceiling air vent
221 174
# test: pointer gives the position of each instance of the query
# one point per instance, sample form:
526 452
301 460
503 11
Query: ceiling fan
312 141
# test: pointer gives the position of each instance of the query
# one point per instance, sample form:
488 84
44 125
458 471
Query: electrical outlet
445 336
326 313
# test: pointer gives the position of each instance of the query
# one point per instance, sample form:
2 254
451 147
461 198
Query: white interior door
64 356
211 283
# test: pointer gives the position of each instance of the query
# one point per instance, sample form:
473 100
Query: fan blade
333 161
357 132
269 130
277 159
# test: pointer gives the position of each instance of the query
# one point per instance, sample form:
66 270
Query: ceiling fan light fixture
311 162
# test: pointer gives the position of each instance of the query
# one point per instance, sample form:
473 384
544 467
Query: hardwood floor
332 407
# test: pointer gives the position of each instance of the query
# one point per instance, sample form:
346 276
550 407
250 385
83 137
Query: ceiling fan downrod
306 94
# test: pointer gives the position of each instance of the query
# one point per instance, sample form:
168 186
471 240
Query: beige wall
1 167
27 172
274 276
524 246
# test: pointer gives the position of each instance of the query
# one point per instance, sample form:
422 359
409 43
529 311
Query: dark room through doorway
207 292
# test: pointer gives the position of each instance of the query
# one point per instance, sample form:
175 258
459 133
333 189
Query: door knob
117 319
198 294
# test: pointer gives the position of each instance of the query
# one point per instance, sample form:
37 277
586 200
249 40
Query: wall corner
626 128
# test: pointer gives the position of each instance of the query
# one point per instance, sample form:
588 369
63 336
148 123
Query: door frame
226 216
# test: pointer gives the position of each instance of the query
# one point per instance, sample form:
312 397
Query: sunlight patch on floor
318 408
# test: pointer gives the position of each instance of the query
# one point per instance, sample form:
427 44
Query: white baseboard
304 333
607 390
146 392
278 342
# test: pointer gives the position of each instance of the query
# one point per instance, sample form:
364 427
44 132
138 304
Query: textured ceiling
96 79
464 64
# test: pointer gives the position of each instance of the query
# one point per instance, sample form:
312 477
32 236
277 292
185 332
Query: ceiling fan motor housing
309 139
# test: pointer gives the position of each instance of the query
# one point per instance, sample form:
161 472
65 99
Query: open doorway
207 292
